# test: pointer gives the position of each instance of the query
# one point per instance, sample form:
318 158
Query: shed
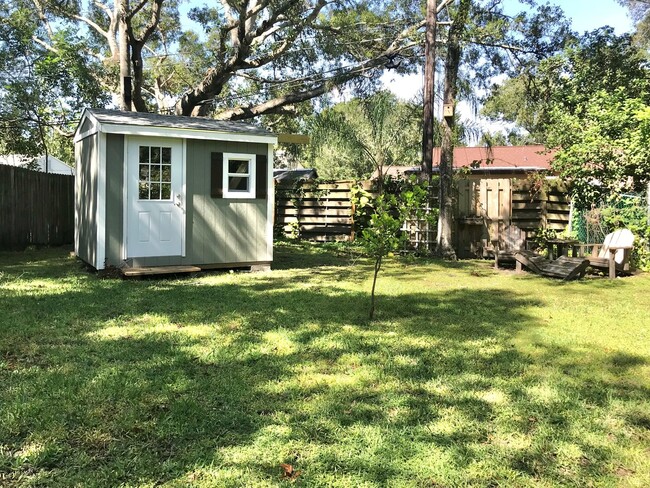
503 190
157 190
499 191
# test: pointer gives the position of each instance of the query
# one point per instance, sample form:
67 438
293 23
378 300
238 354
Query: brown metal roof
499 157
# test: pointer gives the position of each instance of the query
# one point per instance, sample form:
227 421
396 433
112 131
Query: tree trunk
647 201
445 246
374 282
125 57
138 78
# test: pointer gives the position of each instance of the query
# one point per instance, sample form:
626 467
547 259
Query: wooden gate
484 211
489 208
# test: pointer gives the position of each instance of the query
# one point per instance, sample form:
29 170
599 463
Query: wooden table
560 247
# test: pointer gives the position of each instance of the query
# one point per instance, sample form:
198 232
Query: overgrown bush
542 236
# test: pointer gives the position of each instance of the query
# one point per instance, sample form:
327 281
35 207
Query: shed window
155 173
238 175
246 177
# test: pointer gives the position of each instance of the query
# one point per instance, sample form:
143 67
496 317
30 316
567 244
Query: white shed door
155 210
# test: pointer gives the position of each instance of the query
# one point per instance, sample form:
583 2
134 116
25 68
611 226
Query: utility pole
122 9
429 87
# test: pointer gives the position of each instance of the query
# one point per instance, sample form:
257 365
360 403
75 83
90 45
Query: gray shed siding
86 126
114 197
223 230
218 231
86 199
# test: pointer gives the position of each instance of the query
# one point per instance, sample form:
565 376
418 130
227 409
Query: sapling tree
383 236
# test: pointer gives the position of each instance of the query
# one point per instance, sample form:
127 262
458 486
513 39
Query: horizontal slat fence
486 208
317 211
35 208
547 208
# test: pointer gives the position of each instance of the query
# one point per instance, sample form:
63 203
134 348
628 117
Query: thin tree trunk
374 282
428 115
445 246
41 135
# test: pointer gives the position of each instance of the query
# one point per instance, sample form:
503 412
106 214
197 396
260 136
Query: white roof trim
94 126
204 134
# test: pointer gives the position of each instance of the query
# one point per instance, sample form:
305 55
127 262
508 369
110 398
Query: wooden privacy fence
316 211
546 208
488 210
35 208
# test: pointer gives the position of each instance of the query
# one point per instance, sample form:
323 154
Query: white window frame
250 193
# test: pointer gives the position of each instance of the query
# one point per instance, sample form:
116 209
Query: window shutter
216 175
261 170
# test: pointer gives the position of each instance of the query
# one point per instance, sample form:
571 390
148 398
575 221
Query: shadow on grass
213 381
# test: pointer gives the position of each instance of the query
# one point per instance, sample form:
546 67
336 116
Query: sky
587 15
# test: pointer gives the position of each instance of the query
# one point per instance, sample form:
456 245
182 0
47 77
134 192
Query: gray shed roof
103 121
118 117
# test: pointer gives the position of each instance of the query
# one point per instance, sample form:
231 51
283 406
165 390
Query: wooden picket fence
35 208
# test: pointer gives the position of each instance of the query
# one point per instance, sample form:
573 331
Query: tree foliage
383 236
590 104
603 150
599 60
43 87
640 11
353 139
250 57
255 57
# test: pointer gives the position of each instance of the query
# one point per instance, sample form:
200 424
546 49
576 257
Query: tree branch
44 44
326 85
92 24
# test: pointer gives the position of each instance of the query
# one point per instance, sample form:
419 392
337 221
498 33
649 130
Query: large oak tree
250 58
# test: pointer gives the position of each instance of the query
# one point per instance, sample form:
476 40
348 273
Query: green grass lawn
468 376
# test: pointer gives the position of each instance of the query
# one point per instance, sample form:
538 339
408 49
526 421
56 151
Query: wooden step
159 270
